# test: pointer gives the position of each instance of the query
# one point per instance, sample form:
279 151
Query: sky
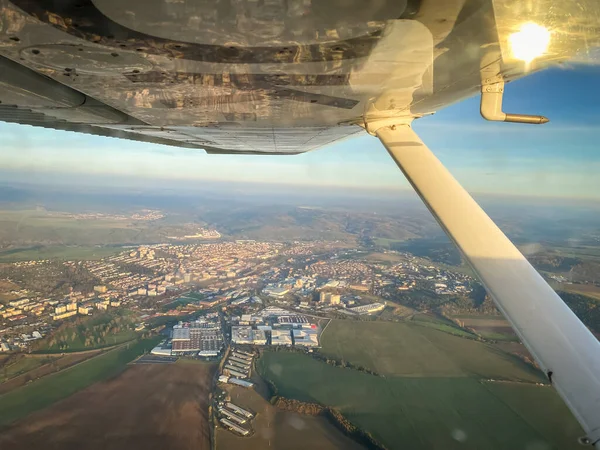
558 159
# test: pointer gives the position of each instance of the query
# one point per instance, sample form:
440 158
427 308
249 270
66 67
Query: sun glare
530 42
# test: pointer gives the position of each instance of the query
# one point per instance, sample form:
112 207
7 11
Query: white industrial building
281 337
242 383
243 355
259 338
234 427
206 338
237 366
241 334
240 301
293 320
240 362
307 336
235 373
233 416
239 410
275 291
246 335
161 351
236 369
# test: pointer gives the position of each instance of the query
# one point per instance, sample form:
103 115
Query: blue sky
558 159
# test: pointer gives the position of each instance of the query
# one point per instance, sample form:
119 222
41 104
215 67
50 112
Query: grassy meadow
433 390
407 349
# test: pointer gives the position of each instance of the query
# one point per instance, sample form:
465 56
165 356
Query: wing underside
275 77
233 79
30 98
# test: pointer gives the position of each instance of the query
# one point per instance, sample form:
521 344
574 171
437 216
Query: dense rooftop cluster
175 279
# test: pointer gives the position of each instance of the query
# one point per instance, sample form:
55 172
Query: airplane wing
30 98
233 78
245 78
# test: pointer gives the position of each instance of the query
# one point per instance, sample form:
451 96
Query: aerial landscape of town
299 225
307 327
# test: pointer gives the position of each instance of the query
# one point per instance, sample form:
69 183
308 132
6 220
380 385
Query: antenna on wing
492 93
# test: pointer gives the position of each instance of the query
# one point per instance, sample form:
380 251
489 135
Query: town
237 277
255 329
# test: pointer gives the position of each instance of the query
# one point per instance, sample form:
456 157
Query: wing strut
563 347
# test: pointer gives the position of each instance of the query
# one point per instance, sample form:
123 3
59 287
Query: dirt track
148 406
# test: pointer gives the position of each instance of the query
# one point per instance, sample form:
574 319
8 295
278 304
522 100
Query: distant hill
586 308
302 223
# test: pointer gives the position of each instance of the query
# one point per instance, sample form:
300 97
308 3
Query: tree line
334 416
327 360
90 335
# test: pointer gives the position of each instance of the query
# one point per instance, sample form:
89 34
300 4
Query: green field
489 335
52 388
21 366
408 349
433 390
57 229
429 412
581 251
193 296
589 290
440 324
57 252
385 242
548 419
190 297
